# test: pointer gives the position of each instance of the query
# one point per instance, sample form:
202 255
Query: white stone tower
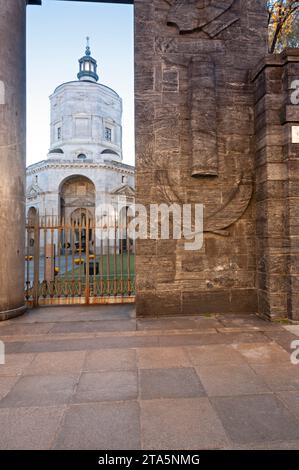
84 167
86 118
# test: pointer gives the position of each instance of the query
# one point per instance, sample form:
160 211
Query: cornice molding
43 166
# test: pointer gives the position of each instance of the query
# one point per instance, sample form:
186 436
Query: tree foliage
283 24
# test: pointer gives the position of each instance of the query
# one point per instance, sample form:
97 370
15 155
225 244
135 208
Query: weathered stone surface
189 423
90 426
151 358
230 379
173 408
277 190
170 383
46 390
194 109
106 386
29 428
56 363
251 419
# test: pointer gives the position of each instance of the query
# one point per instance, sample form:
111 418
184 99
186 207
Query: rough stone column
277 185
12 155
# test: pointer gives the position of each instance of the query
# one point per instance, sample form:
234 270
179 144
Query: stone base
167 303
7 314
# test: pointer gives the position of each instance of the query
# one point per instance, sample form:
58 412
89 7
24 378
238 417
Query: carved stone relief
210 16
202 64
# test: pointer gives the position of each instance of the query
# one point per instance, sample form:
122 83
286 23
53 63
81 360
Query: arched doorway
77 211
76 192
83 228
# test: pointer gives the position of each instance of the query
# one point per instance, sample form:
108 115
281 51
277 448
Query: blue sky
56 35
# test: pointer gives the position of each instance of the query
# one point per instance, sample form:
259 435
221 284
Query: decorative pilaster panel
277 186
203 119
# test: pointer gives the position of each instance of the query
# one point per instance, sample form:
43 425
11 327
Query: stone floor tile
178 323
14 347
229 379
165 324
106 386
240 357
274 445
29 428
217 338
94 326
15 364
190 339
294 329
110 359
257 353
76 313
256 418
101 426
170 383
6 384
235 320
184 424
291 400
40 390
65 362
118 342
279 377
214 354
283 338
150 358
24 329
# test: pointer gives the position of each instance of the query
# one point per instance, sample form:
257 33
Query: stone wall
277 184
195 144
82 111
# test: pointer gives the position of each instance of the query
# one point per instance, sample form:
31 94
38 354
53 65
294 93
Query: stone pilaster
277 185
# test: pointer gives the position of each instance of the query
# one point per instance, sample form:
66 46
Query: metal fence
78 262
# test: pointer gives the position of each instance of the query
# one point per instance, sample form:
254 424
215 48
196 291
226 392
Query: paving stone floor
95 378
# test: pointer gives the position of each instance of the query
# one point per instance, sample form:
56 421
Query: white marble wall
45 189
82 111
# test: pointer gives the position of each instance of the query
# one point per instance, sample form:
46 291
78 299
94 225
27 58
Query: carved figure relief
203 119
212 17
195 15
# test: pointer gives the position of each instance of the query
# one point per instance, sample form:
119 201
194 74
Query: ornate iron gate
78 263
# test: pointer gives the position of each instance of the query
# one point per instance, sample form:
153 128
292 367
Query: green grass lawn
112 279
109 268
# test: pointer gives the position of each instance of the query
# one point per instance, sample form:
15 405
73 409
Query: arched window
82 156
109 152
